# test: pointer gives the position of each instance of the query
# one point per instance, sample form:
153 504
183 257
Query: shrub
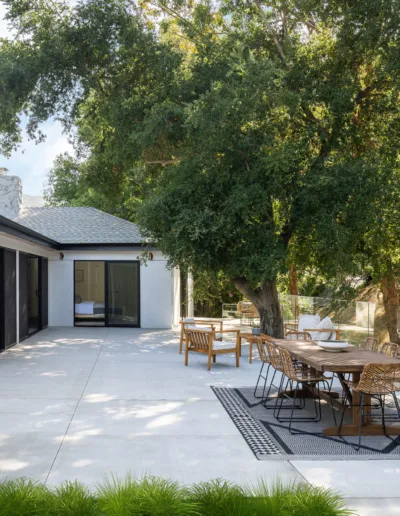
152 496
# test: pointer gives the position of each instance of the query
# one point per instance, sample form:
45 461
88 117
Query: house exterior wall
156 287
159 286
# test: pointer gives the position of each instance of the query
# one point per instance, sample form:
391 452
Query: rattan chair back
371 343
274 356
391 349
379 379
263 351
288 367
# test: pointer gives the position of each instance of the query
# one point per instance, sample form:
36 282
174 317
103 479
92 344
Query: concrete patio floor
82 403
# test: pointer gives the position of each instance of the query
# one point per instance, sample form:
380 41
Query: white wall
159 286
61 293
156 309
156 287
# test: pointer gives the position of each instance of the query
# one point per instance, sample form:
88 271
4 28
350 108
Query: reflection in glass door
33 294
123 292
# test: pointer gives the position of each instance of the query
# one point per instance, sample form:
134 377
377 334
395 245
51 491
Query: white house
67 266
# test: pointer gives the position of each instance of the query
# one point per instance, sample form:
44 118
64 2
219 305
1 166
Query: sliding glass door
107 293
123 294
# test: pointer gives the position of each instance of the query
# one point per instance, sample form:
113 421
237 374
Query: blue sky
31 162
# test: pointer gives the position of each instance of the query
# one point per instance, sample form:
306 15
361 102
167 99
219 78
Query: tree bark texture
391 305
265 299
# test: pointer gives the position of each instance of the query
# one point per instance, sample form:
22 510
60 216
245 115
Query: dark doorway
33 294
8 298
123 294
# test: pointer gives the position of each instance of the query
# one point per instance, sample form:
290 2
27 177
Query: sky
31 162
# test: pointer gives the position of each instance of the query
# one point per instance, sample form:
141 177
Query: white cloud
31 162
4 30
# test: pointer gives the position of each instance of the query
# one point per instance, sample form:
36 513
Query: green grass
151 496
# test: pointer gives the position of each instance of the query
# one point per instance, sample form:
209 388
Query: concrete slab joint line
82 403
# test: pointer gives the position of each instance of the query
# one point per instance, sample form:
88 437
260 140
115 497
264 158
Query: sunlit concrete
84 403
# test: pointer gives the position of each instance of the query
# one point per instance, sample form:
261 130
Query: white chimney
10 195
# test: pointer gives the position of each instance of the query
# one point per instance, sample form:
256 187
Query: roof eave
12 228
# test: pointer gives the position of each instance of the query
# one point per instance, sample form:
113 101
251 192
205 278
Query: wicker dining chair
204 341
295 376
378 380
371 344
265 363
276 364
391 349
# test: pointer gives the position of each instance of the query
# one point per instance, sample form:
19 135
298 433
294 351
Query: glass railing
356 319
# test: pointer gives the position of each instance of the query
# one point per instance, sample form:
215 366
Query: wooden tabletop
248 335
352 360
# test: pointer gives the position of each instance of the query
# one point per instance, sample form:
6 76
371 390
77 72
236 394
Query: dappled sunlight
142 411
166 420
81 434
55 374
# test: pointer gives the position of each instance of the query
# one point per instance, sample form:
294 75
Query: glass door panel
123 294
33 294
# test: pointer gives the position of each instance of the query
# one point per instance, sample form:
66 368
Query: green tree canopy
241 137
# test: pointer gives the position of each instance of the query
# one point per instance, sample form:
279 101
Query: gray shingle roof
70 225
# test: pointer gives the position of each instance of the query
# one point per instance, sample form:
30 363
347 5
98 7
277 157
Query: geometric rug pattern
270 440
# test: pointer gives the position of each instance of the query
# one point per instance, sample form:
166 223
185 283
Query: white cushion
217 344
308 322
188 319
326 323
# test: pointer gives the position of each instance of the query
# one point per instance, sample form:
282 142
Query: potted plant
256 330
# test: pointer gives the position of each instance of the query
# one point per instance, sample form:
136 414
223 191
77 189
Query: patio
82 403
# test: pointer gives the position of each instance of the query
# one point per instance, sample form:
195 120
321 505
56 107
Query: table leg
251 351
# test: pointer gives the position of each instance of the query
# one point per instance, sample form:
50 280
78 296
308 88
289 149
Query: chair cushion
218 345
308 322
326 323
189 319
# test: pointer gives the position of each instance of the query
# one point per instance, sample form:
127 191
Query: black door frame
40 286
106 325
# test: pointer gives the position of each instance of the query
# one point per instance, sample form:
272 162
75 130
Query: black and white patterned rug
270 440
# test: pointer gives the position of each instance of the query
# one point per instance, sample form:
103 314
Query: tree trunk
294 291
391 304
265 299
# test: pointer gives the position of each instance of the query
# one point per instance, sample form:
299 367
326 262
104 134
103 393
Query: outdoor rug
270 440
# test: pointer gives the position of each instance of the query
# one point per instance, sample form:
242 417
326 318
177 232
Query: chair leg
342 418
331 403
265 381
209 362
291 412
361 420
186 353
265 400
214 358
237 357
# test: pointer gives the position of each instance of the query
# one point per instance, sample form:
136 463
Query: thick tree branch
271 32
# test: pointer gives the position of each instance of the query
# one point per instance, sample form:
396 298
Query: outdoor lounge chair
201 324
203 341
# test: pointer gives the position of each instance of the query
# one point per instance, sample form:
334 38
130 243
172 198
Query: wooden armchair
203 341
209 325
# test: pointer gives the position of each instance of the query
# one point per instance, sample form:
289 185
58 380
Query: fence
356 319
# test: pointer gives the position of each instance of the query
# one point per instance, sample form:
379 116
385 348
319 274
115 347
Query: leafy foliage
242 137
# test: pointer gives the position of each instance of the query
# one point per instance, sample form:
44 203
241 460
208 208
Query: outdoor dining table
352 361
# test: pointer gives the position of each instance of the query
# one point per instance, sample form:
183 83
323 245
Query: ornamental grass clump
150 496
22 497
